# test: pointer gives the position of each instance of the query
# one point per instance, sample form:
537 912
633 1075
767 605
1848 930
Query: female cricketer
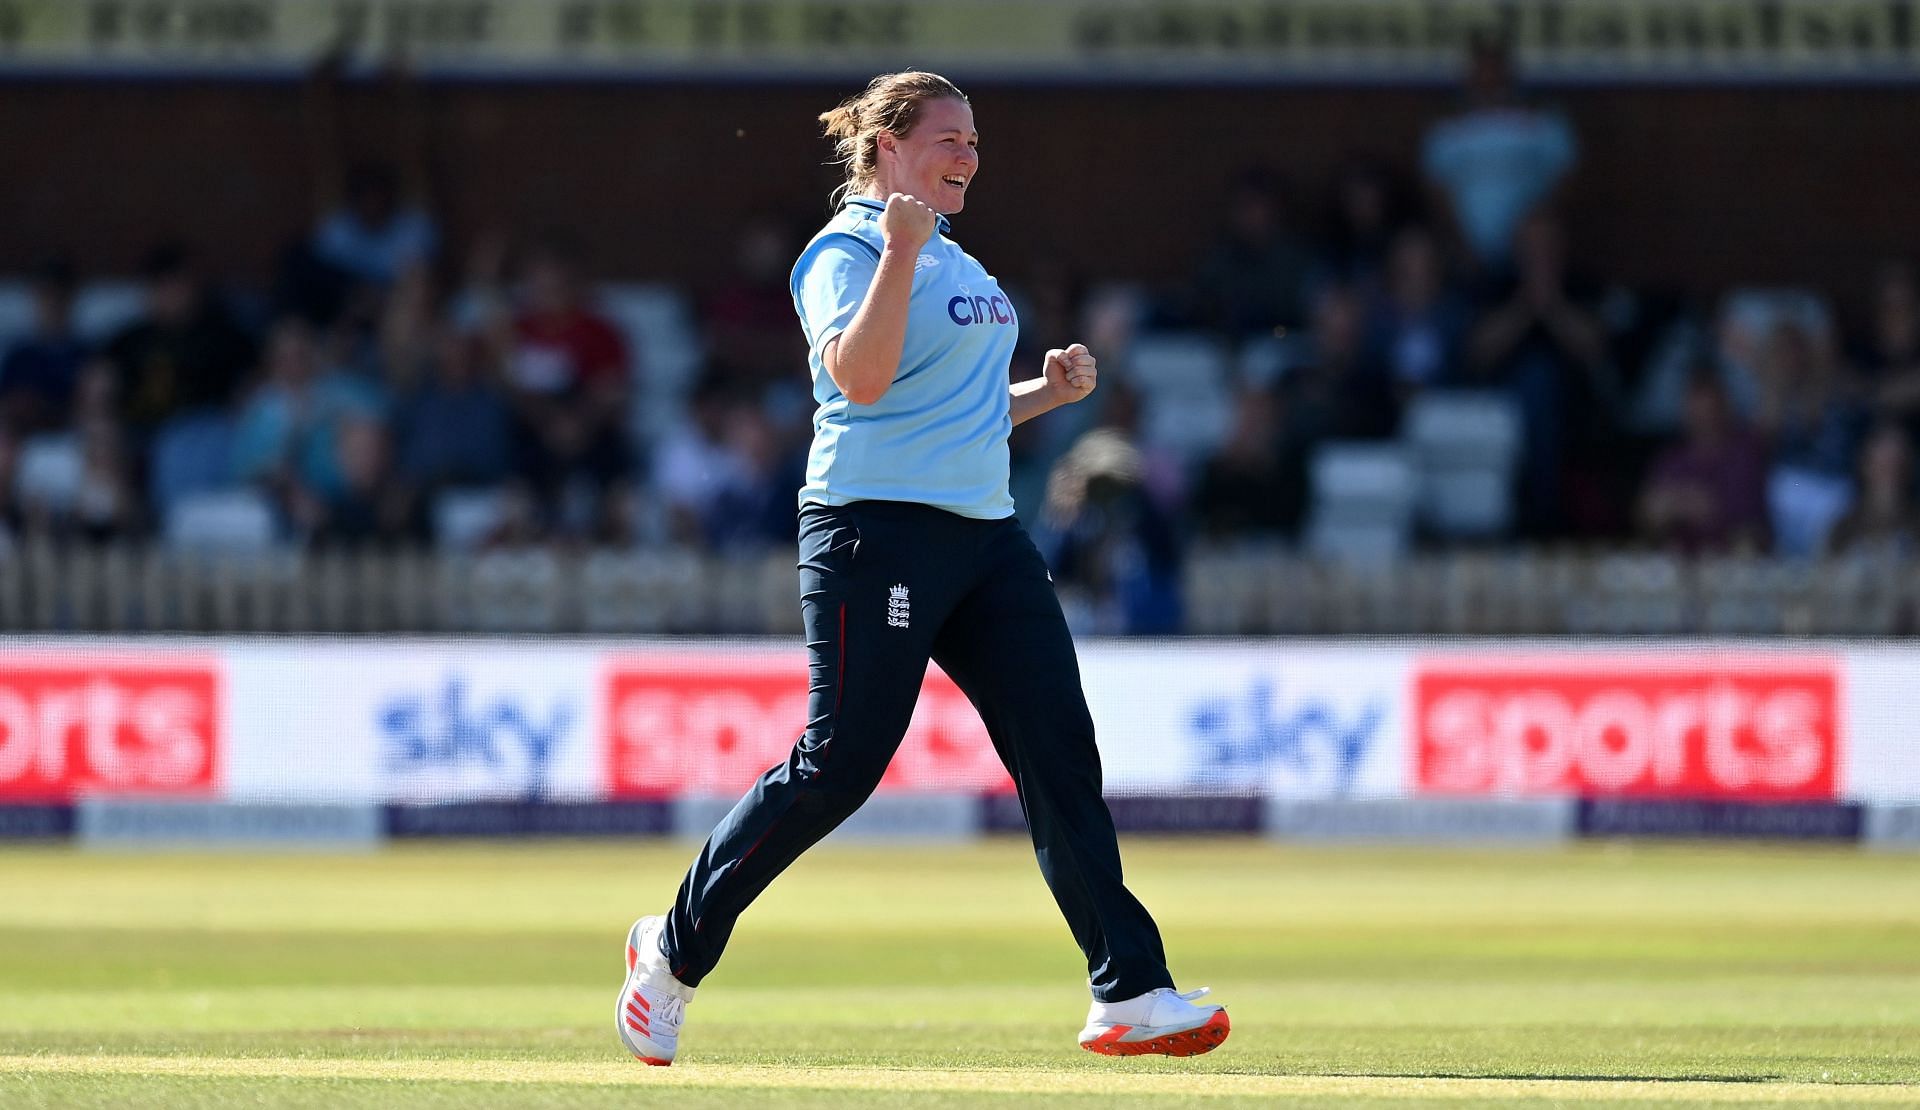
909 551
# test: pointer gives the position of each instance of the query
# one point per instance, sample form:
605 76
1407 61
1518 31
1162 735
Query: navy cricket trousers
885 586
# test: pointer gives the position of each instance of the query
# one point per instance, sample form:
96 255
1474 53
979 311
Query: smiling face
936 160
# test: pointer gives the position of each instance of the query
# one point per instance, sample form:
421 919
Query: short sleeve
1439 154
829 283
1557 146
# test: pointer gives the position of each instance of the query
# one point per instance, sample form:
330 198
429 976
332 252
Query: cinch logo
967 310
1309 747
109 727
1747 728
497 746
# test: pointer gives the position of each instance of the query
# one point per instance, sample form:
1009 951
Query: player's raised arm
863 359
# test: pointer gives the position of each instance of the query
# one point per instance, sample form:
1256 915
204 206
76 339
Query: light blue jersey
938 436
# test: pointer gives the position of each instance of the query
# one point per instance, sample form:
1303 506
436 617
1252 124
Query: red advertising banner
1729 727
107 726
712 726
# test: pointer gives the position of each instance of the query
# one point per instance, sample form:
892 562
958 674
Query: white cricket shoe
1164 1022
652 1003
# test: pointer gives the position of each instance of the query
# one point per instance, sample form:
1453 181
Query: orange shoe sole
1192 1042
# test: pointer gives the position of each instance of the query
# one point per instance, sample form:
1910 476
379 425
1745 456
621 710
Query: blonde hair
891 102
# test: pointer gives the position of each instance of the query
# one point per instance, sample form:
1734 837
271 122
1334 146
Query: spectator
411 338
1542 339
372 221
1707 493
456 429
1334 393
1417 324
362 506
1744 328
1815 427
1889 356
1498 158
184 354
39 372
1885 521
106 507
1251 489
748 318
1368 208
756 505
1109 547
567 373
1254 279
288 435
692 467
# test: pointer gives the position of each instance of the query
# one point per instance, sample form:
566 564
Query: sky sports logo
111 726
675 729
1737 728
1296 743
459 740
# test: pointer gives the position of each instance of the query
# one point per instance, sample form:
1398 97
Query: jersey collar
873 205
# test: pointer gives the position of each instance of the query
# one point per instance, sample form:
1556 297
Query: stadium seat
1363 499
1464 445
1803 506
16 311
234 521
666 348
50 471
191 454
1161 362
101 308
1191 422
464 518
1266 360
660 331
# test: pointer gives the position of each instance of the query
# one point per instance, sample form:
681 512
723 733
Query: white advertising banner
421 721
413 722
1882 696
1281 720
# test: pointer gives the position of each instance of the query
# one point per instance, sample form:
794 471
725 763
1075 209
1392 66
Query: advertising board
108 722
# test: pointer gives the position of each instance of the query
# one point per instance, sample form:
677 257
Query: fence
50 588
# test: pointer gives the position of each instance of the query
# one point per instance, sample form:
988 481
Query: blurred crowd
388 379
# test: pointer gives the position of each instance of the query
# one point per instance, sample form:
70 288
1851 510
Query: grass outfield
481 975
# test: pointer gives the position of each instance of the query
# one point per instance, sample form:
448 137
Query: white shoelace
1195 994
671 1010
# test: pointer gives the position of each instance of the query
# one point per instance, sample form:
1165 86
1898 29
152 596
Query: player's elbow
859 388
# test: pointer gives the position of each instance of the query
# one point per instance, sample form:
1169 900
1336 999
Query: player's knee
833 782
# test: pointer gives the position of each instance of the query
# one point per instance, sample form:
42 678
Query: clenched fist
1071 373
908 222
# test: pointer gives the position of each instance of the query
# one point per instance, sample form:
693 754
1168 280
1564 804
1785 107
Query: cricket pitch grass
484 975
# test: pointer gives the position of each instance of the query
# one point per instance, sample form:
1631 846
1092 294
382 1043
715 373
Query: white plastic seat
463 518
1163 362
1363 497
101 308
1465 445
1192 422
659 326
16 311
1463 426
238 521
50 471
